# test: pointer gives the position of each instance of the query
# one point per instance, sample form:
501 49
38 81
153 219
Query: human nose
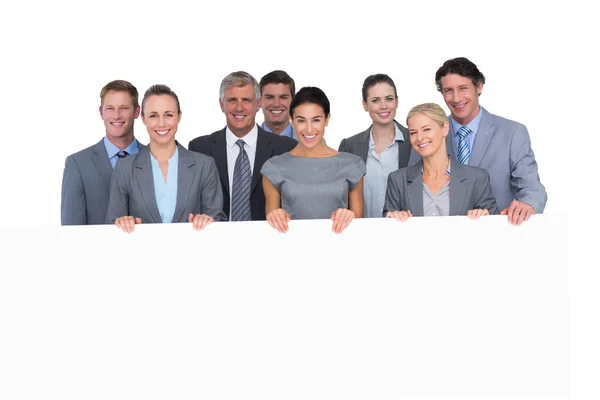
276 101
455 96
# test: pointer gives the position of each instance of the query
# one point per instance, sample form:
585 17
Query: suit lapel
185 177
404 148
219 153
482 139
450 147
414 182
102 162
363 149
263 153
145 180
458 188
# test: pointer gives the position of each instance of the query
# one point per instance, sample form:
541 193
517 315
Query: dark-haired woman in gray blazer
436 185
164 182
384 146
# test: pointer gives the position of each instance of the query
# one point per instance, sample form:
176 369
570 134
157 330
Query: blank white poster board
438 307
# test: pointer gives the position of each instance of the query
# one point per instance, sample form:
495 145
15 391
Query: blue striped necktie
463 145
240 191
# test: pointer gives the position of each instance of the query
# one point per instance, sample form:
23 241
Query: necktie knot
240 143
464 131
122 154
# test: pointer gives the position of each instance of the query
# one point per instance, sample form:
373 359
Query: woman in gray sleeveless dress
313 181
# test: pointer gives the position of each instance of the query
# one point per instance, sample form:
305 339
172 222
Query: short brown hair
120 86
278 76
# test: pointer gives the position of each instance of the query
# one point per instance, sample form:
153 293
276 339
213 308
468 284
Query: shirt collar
112 150
250 138
398 138
473 125
287 131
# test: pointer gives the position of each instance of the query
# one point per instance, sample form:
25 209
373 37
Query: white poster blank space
436 307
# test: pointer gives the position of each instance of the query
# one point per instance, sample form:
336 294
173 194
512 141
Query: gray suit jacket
502 147
469 189
198 188
359 145
85 186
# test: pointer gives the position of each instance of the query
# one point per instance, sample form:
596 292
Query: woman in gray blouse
313 181
436 186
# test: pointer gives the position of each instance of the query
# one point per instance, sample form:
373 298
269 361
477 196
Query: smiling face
118 114
381 103
426 135
275 102
309 123
461 97
240 106
161 118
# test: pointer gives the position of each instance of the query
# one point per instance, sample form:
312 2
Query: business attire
86 182
287 131
138 189
501 147
395 156
469 188
222 146
313 188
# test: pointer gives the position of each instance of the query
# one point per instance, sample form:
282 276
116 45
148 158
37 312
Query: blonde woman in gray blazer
164 182
436 185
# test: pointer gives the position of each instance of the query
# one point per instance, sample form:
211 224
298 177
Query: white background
56 56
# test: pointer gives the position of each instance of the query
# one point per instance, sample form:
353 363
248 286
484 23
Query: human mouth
162 132
384 114
239 117
276 112
309 138
423 145
117 123
460 106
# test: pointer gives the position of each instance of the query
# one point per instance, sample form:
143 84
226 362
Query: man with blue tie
87 173
496 144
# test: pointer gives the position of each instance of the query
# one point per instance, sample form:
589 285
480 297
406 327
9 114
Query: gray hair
238 79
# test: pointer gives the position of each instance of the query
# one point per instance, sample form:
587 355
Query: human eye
412 132
390 99
375 101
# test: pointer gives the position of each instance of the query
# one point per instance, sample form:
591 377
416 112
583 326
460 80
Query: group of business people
469 163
